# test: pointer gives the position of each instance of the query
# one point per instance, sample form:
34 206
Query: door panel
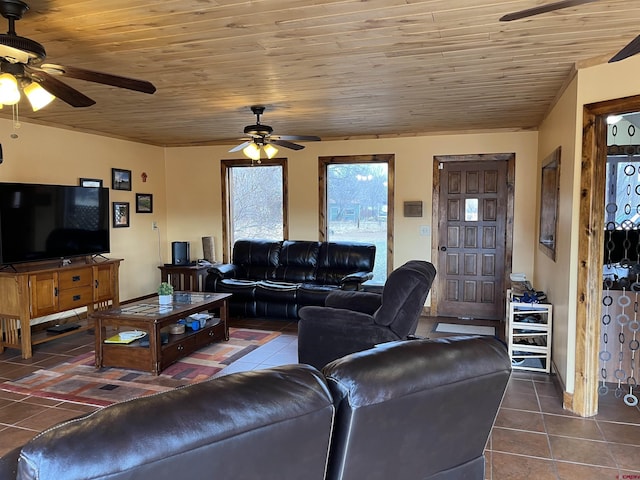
472 238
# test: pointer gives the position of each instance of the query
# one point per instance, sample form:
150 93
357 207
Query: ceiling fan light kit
21 66
261 139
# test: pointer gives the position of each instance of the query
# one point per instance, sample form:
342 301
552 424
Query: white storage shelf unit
529 327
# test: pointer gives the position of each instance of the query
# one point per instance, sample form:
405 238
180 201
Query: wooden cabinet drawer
75 297
80 277
209 335
179 349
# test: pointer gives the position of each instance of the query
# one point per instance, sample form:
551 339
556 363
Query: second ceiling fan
22 68
632 48
260 137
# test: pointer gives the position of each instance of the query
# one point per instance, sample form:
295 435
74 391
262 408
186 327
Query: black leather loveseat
276 279
405 410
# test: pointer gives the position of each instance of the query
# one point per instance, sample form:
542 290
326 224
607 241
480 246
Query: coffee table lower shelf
137 357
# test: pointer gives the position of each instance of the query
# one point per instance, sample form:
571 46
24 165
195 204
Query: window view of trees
357 207
623 192
256 201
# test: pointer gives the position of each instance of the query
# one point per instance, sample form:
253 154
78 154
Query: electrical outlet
154 225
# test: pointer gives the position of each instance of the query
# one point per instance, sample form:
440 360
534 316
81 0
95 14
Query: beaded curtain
620 321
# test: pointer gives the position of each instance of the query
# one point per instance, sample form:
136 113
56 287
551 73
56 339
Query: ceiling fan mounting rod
257 111
13 10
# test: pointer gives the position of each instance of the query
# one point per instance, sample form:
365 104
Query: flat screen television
45 222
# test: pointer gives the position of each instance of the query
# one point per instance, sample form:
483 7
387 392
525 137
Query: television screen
42 222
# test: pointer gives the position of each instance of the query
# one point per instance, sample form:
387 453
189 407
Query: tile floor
533 437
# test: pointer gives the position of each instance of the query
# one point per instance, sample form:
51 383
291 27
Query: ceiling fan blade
284 143
99 77
302 138
630 50
530 12
61 90
241 146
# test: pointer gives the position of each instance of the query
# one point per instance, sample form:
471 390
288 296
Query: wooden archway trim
584 400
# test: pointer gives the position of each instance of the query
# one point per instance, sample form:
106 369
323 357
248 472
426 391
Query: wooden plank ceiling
333 68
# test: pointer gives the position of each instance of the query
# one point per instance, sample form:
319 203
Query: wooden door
471 239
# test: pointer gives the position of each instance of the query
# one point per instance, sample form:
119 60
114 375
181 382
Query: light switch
425 230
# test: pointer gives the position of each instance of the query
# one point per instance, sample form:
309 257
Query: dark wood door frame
437 289
584 400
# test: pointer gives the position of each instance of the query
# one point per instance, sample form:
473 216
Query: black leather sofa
404 410
276 279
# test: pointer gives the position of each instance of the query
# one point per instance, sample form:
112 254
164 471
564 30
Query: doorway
473 237
584 400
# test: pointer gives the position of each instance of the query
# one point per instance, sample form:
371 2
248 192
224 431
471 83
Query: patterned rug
78 380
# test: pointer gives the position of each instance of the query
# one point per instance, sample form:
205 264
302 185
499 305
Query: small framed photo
144 203
90 182
120 214
120 179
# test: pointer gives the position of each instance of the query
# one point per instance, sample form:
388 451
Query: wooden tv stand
33 290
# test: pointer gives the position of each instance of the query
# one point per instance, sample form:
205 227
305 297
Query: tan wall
564 127
557 277
51 155
189 207
194 189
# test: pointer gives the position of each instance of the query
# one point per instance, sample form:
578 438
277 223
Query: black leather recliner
354 321
418 409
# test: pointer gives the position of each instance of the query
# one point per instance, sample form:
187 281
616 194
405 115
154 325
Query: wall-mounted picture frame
549 204
144 203
120 179
120 214
90 182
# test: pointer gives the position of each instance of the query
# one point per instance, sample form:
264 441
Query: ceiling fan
261 137
21 67
632 48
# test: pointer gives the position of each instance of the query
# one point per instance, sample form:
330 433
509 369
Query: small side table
187 277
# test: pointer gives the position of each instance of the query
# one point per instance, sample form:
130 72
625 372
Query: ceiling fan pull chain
16 119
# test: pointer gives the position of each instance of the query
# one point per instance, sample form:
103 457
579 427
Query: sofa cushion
337 260
298 261
398 300
257 259
205 430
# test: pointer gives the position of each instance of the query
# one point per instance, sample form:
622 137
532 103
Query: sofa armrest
354 280
224 270
365 302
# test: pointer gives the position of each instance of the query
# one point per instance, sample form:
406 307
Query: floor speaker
180 253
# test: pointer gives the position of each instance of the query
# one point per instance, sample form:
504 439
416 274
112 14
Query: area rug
78 380
464 329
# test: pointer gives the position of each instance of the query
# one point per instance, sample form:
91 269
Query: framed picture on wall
120 214
549 203
144 203
120 179
90 182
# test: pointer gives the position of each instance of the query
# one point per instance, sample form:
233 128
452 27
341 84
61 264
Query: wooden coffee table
149 353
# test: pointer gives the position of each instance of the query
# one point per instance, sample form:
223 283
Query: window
356 204
255 201
622 221
623 192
